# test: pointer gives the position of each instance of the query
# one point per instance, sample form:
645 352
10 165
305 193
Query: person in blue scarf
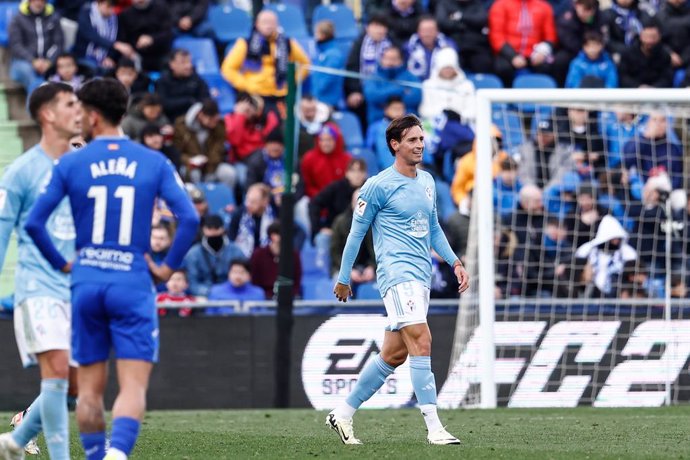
423 46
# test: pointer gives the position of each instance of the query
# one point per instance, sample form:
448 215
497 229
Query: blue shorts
117 316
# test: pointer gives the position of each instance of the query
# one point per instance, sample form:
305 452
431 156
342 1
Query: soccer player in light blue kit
400 204
42 298
112 185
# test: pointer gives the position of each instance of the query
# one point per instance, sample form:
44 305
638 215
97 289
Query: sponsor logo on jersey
418 226
361 206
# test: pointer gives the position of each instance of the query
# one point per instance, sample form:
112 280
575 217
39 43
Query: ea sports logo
336 354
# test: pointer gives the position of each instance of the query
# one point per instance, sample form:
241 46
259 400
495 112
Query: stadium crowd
579 197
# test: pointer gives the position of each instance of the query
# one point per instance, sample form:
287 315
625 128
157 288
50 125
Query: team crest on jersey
418 226
361 206
429 192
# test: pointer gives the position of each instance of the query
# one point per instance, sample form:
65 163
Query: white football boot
441 437
9 450
343 427
31 447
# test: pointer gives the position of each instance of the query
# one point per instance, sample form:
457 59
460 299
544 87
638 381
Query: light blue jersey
20 186
403 213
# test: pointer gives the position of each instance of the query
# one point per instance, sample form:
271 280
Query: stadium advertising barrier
542 360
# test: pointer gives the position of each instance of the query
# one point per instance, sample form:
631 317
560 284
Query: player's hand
160 273
463 278
342 291
67 268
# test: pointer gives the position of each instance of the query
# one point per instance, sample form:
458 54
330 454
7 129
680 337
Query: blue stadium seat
350 127
533 81
222 92
317 288
291 19
485 81
218 196
368 291
345 45
7 11
229 23
342 17
678 77
510 125
309 46
310 269
368 156
203 52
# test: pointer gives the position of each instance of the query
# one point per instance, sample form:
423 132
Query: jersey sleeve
38 217
173 192
438 238
11 203
366 208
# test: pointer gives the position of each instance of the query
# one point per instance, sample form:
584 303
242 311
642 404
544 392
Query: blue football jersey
403 216
20 187
112 185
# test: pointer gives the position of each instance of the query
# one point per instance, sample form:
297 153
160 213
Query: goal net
577 251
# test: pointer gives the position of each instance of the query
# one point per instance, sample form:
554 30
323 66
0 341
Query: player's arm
363 215
38 217
11 203
440 244
172 191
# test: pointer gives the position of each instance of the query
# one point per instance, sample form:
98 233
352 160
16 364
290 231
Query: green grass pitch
585 433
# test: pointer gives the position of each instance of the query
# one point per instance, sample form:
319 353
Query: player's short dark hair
243 262
209 107
46 94
106 96
398 127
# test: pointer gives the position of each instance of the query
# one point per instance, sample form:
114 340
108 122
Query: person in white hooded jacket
606 255
447 88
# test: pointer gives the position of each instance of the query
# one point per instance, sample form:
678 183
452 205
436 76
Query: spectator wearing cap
152 137
522 34
312 115
391 70
131 77
326 162
264 264
652 152
189 17
646 63
364 57
594 62
448 88
674 17
542 158
198 198
180 86
208 261
35 40
237 287
96 43
267 165
148 110
422 48
247 126
258 64
466 23
582 18
325 87
200 137
403 17
148 28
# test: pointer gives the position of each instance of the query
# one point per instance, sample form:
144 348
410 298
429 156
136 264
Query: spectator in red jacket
176 292
325 163
522 34
264 264
247 126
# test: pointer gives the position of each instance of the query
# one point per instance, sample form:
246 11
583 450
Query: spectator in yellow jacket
258 65
463 181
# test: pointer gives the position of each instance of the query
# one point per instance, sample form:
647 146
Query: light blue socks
370 380
424 385
54 417
31 424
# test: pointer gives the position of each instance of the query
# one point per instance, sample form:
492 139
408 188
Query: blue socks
54 417
423 380
31 424
370 380
94 445
124 435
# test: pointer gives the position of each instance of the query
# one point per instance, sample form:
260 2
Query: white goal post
484 203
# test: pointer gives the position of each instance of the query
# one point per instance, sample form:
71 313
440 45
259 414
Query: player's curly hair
106 96
398 127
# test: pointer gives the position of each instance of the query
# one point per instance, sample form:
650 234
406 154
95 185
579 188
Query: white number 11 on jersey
100 195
